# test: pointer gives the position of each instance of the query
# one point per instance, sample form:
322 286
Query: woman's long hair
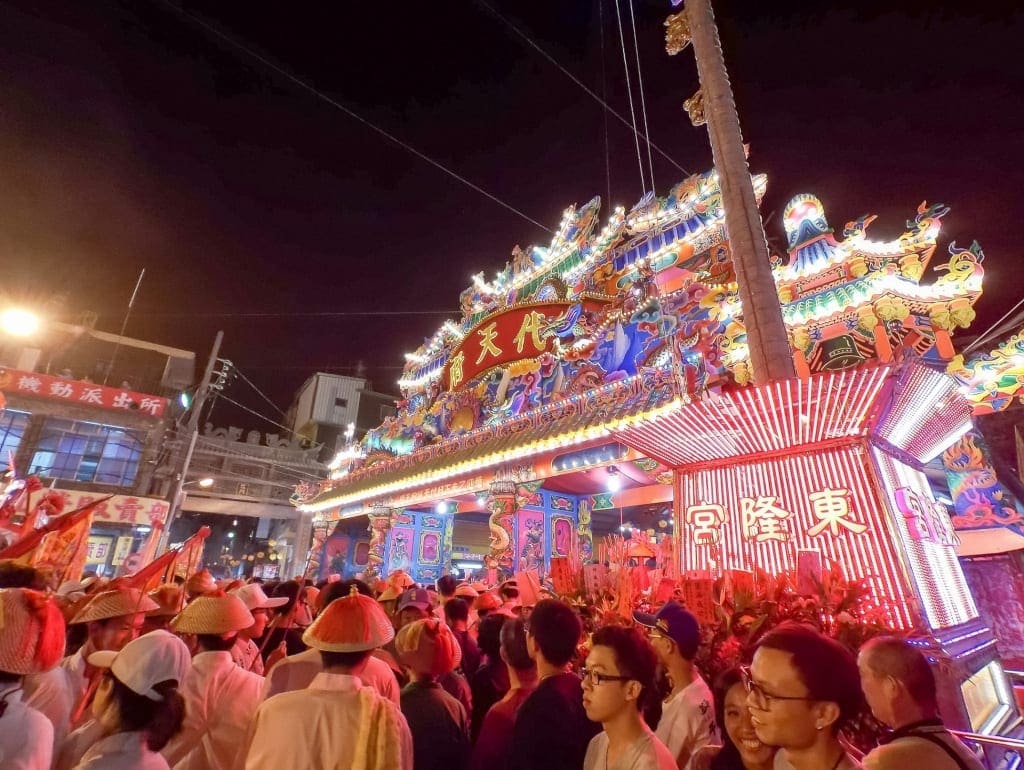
728 757
159 720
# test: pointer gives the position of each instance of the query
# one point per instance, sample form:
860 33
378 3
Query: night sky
132 137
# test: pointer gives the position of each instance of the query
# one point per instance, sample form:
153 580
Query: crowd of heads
797 686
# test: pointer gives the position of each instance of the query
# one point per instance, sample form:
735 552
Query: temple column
502 503
379 526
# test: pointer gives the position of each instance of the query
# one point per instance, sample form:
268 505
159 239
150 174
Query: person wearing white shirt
296 672
137 707
245 652
336 723
617 682
220 698
687 721
62 694
31 640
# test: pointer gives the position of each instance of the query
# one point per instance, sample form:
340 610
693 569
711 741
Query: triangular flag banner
26 545
162 568
64 551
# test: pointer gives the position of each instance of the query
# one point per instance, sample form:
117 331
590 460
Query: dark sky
131 137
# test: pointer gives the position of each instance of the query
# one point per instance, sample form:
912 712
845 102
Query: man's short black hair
216 642
343 659
456 609
446 585
489 634
556 630
634 657
513 644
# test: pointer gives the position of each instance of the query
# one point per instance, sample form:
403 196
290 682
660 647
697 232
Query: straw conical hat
215 613
115 604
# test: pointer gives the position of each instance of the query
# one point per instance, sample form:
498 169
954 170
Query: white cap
254 598
144 662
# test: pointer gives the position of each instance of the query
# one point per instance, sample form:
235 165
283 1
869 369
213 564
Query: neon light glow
937 576
761 514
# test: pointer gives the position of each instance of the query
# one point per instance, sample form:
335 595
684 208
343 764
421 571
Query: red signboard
80 392
517 334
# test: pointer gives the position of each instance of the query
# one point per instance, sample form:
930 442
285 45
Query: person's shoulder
704 757
911 750
657 756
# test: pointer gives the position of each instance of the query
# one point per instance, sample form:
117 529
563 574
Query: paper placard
594 578
698 596
562 577
665 591
529 587
808 571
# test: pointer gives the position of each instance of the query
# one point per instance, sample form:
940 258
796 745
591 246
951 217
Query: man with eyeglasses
802 689
552 730
617 682
688 714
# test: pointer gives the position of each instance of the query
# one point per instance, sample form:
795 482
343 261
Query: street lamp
19 322
204 483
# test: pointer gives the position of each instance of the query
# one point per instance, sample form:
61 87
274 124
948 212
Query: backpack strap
934 738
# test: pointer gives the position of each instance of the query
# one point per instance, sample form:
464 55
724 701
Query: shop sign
80 392
122 549
119 509
97 549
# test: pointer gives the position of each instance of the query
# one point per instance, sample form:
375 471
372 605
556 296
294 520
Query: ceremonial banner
27 545
698 596
562 577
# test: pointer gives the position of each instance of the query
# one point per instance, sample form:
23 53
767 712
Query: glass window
12 428
88 452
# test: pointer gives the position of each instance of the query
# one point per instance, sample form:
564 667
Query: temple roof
574 421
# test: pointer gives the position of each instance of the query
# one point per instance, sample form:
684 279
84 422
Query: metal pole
192 427
771 357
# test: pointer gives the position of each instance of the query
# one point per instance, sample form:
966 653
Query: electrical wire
608 108
264 396
984 335
629 94
640 82
351 113
253 412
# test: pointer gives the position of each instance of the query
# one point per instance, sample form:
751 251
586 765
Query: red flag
32 540
157 571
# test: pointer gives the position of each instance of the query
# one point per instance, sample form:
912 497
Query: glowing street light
205 483
19 322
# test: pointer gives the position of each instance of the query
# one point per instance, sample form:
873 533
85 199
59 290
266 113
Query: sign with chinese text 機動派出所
80 392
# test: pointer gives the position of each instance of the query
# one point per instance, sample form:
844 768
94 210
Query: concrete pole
192 430
770 355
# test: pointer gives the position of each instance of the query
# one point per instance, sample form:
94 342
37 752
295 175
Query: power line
265 397
253 412
611 110
640 82
352 114
629 93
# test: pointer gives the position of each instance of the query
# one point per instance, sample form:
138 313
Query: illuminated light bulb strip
456 469
939 579
850 247
928 415
706 431
868 556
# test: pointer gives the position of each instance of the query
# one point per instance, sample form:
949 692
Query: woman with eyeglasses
617 682
740 749
802 689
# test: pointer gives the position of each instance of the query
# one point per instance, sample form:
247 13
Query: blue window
88 452
12 428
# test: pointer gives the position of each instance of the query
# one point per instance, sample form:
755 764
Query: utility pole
192 431
771 357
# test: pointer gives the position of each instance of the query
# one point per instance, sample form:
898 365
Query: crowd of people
201 676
